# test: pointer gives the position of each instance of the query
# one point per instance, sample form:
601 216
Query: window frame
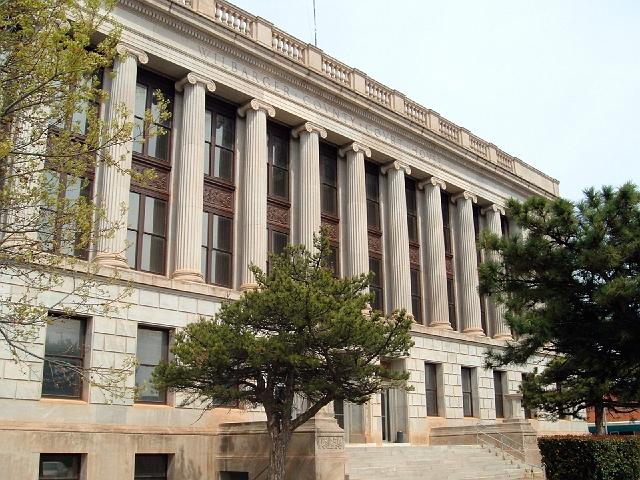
329 153
83 356
371 169
167 463
276 130
445 201
469 393
271 230
498 393
165 357
432 389
140 233
477 215
210 249
380 286
410 188
217 107
78 460
416 296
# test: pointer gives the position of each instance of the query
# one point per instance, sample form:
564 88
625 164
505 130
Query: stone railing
288 46
264 33
234 18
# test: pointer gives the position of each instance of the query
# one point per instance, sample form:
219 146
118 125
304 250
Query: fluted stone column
189 202
254 189
433 244
114 186
468 264
356 249
398 235
499 328
309 224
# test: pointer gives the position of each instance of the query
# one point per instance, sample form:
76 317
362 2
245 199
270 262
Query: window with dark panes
328 180
431 385
448 254
219 141
59 466
467 392
278 156
498 392
217 249
376 287
373 196
416 295
146 233
151 467
152 348
476 227
154 145
276 241
63 357
504 225
412 209
59 230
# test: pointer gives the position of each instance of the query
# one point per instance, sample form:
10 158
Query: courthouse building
269 139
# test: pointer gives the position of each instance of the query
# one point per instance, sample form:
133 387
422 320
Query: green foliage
302 332
571 286
590 458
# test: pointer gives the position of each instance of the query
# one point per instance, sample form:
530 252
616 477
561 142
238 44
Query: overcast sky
553 82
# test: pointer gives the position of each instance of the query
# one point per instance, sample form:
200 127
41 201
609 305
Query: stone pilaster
499 329
398 234
433 244
254 189
190 176
309 224
356 250
467 260
114 187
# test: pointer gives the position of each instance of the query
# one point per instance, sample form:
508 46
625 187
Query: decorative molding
256 105
159 183
465 195
355 147
330 443
414 254
216 197
449 266
278 215
375 242
124 49
435 181
493 207
309 127
333 228
194 78
396 165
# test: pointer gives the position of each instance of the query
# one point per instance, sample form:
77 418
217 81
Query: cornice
193 78
309 127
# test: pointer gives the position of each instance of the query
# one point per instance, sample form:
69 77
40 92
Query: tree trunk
278 454
599 411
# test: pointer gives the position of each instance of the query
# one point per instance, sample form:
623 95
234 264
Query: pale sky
554 82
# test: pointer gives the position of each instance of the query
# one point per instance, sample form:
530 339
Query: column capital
193 78
355 147
396 165
124 49
256 105
309 127
466 196
435 181
493 208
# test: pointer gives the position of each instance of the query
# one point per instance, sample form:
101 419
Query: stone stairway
441 462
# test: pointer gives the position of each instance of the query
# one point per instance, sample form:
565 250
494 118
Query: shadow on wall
186 470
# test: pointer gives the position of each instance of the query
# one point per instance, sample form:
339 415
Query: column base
441 326
476 332
187 275
248 286
111 260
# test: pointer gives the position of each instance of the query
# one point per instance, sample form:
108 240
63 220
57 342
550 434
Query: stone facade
212 51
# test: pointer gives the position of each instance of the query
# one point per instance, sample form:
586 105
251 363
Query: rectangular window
476 227
219 141
63 357
334 261
431 385
376 287
278 166
59 466
416 295
451 298
328 180
155 146
146 233
412 209
217 246
448 257
277 240
60 231
499 396
467 392
373 196
504 224
152 348
151 467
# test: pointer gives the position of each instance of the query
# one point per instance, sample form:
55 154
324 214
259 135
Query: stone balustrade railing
264 33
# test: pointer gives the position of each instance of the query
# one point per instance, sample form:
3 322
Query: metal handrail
516 452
